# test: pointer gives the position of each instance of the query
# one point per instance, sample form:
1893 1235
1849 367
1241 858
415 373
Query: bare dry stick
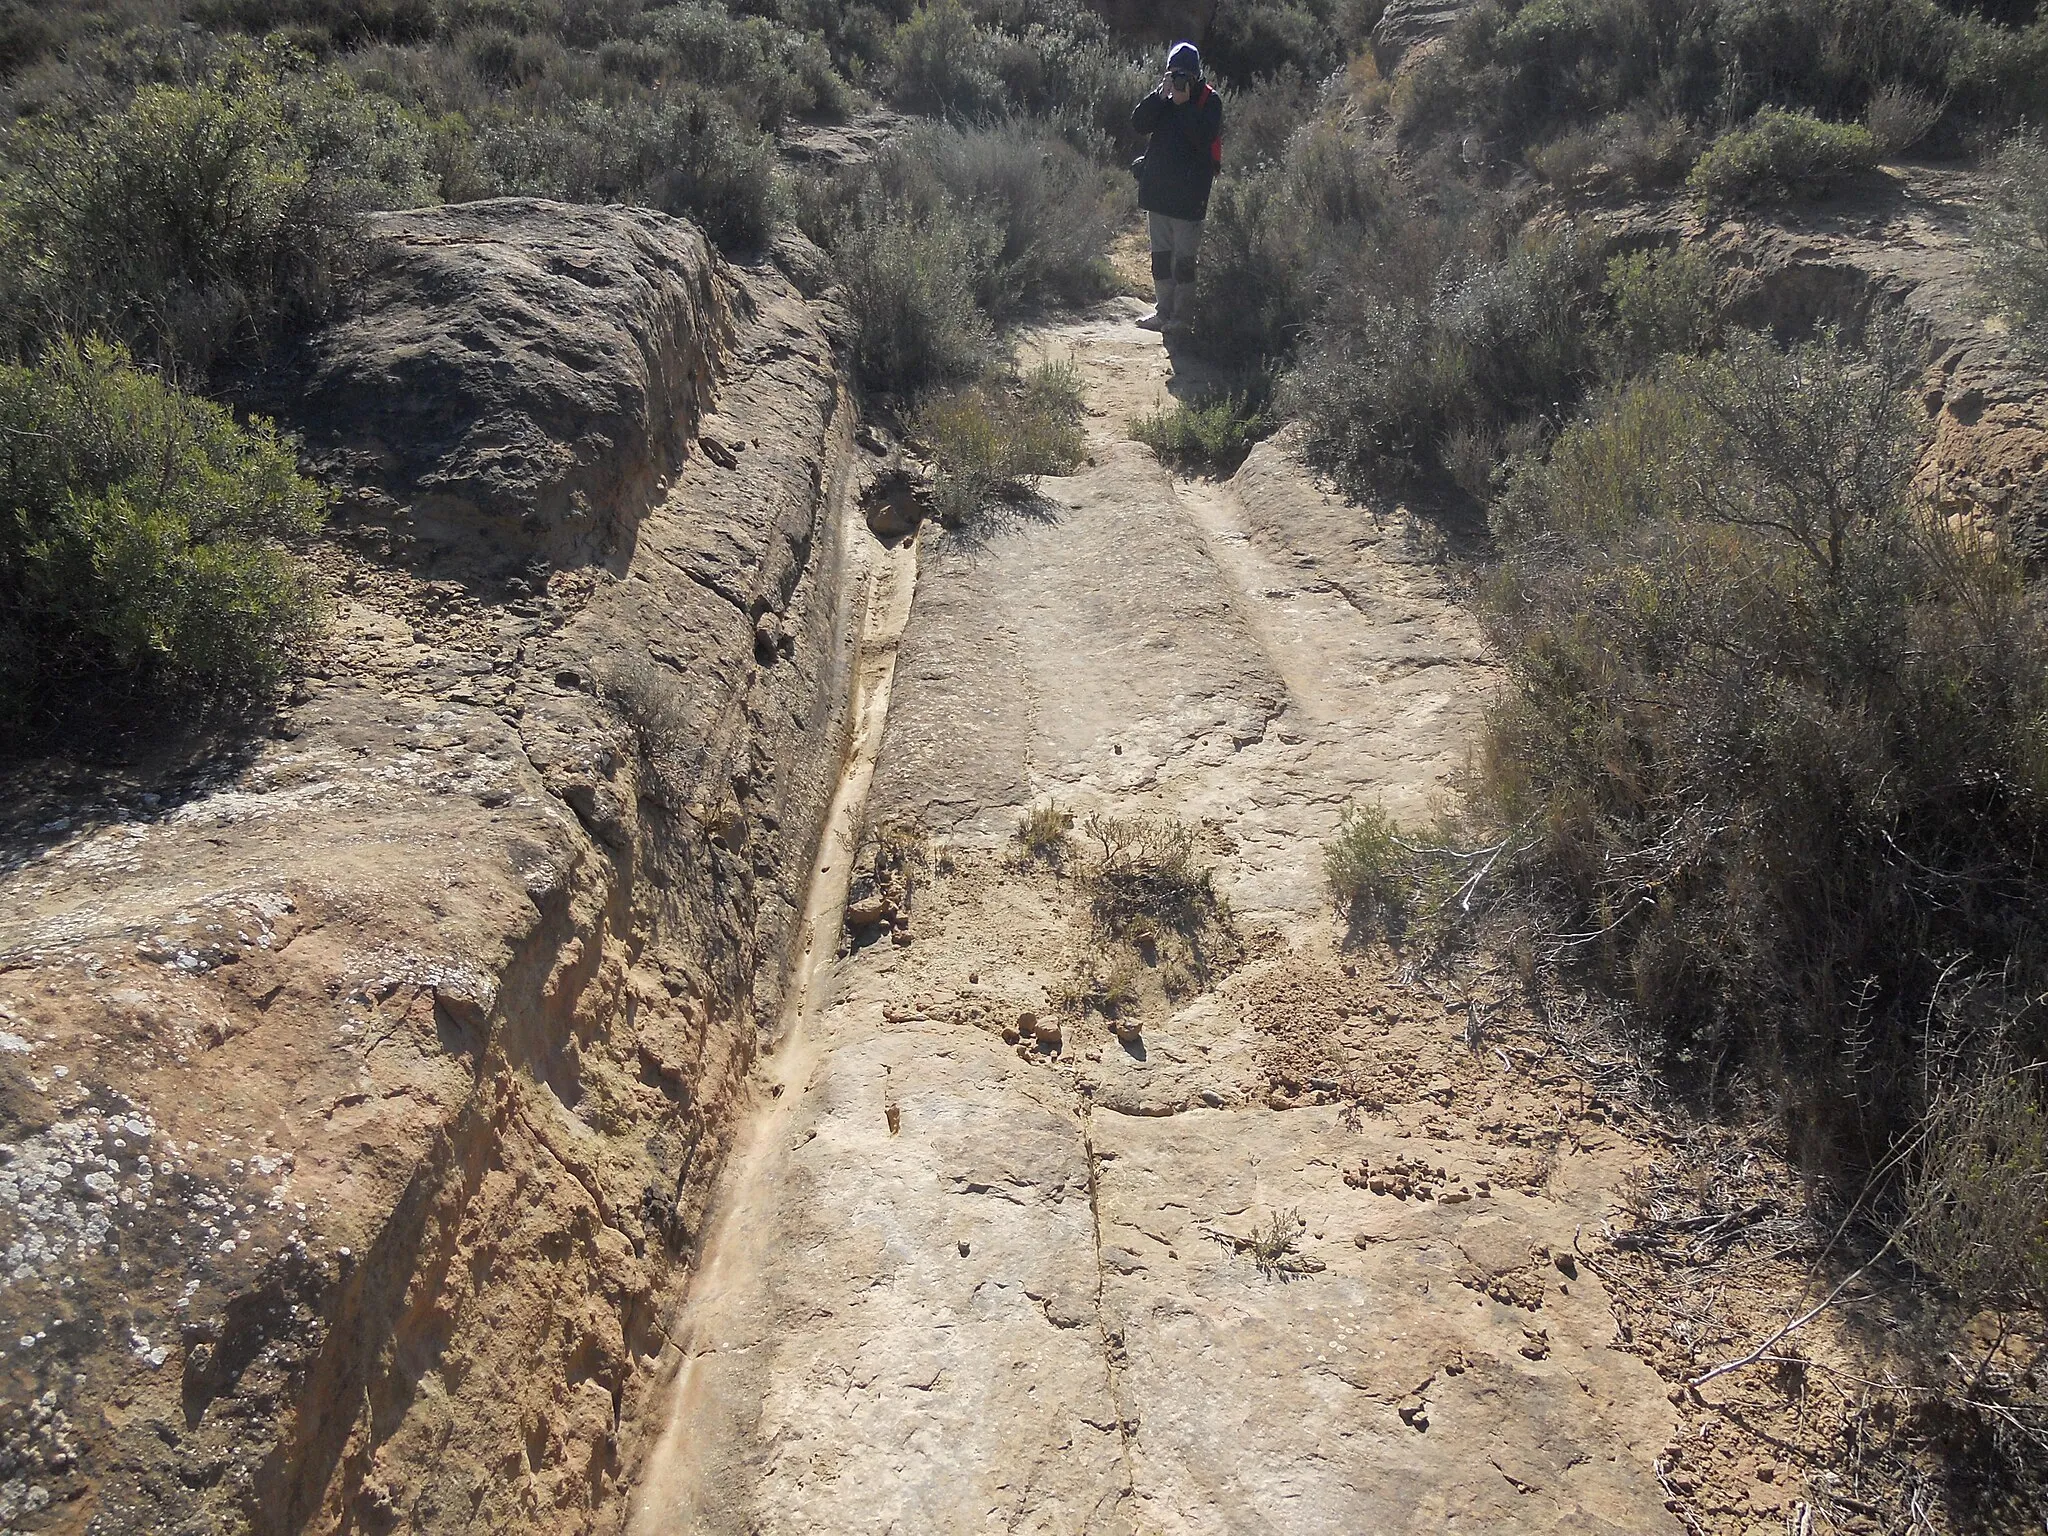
1795 1325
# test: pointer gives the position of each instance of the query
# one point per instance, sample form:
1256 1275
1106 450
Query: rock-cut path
957 1284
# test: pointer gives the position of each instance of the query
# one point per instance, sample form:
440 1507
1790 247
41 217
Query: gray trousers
1175 245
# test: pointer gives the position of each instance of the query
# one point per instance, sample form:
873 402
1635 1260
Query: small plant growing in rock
1275 1247
993 440
1367 869
894 859
1146 868
1278 1242
1043 830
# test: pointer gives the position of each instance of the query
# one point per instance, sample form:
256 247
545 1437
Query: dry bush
909 288
1640 150
1276 1246
1041 216
1972 1217
1369 873
1386 381
1111 985
2012 240
953 230
1779 736
1145 867
1899 117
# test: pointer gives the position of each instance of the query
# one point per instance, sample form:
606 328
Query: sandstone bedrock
359 1090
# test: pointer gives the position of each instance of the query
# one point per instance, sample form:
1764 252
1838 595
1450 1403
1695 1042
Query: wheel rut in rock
987 1264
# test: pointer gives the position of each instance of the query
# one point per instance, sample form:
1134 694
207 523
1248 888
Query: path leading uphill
956 1282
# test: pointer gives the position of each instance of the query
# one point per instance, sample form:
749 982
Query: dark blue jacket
1186 152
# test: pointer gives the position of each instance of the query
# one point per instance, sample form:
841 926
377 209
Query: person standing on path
1185 120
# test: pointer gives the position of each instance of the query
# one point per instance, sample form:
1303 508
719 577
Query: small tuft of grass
992 440
1215 437
1043 830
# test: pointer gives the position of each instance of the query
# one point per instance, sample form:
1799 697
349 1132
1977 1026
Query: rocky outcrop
359 1092
1902 240
509 380
1407 25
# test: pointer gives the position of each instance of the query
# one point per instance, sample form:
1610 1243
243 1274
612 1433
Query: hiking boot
1162 308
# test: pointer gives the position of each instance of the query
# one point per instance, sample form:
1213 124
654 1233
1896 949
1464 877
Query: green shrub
908 286
1605 476
199 219
1040 216
1999 75
26 36
144 560
1777 156
1278 234
943 63
1369 873
2012 239
1777 738
991 442
1385 383
1575 60
1830 56
1214 436
1660 302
